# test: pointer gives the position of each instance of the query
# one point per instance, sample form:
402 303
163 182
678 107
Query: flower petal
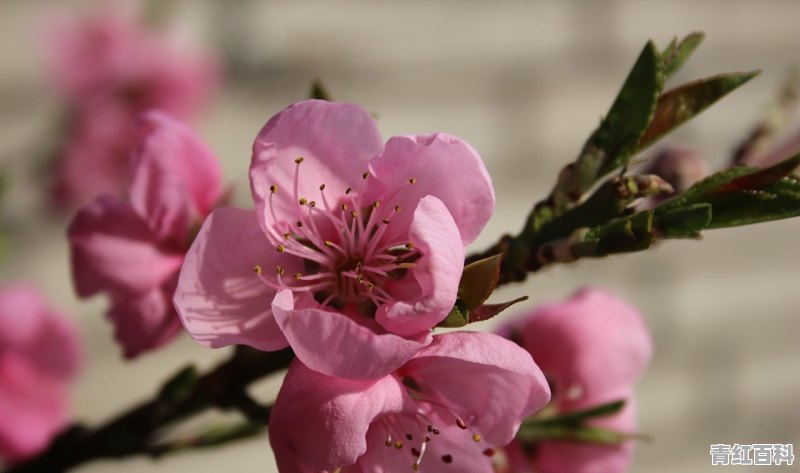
594 342
143 322
441 165
323 421
112 248
176 177
219 298
336 140
434 233
492 383
336 345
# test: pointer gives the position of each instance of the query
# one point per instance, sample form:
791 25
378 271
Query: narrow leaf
479 280
181 385
684 222
578 417
454 319
679 105
676 53
319 91
487 311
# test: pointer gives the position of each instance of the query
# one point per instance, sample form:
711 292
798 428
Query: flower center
350 250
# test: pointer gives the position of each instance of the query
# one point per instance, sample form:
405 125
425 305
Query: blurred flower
39 356
361 246
592 348
108 69
133 249
444 410
680 167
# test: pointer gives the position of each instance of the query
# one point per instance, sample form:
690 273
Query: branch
133 432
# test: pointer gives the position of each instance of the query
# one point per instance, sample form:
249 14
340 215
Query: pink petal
434 233
336 140
443 166
593 342
43 336
220 299
176 177
323 421
144 322
33 407
112 248
490 382
336 345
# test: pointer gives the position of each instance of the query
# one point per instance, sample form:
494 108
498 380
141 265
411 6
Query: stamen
297 276
322 187
257 269
299 160
299 224
376 204
286 236
397 208
365 175
273 188
461 424
412 180
279 270
312 203
349 190
280 248
476 437
489 452
398 445
447 459
303 201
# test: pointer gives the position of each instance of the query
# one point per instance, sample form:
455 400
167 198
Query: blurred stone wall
524 82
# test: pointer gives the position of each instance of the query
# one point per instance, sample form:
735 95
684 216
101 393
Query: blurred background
524 82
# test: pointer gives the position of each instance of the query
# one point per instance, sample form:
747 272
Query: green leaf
180 386
633 233
612 144
676 53
684 222
487 311
479 280
319 91
743 196
455 319
581 416
679 105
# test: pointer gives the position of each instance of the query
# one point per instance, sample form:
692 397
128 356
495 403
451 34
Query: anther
435 431
299 223
386 221
298 276
476 437
376 204
257 269
397 208
344 207
364 176
412 180
409 245
298 160
349 190
328 243
489 452
447 459
409 437
303 201
370 286
398 445
279 269
273 188
430 428
353 213
312 203
461 424
414 452
388 443
286 236
415 466
322 187
281 248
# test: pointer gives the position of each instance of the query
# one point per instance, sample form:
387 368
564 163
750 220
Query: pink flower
133 249
108 70
592 348
39 356
444 410
358 246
